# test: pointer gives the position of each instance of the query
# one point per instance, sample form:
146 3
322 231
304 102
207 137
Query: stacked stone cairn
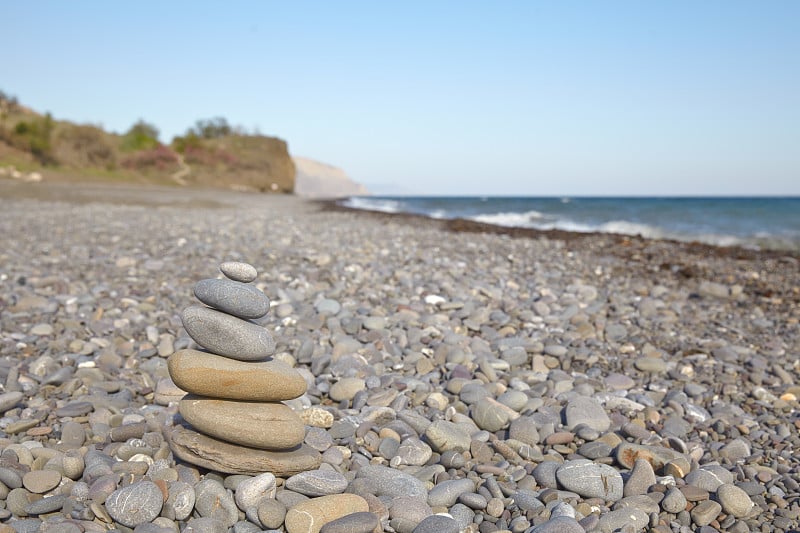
233 418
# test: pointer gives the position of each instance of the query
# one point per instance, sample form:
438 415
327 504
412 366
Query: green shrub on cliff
34 135
140 136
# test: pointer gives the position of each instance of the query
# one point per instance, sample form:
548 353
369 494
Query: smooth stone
405 513
346 389
267 426
443 436
46 505
524 429
8 400
212 500
437 524
545 474
709 477
640 479
271 513
490 415
446 493
180 500
735 450
251 491
317 483
627 453
651 365
327 306
227 335
361 522
214 454
215 376
588 411
235 298
705 512
559 524
674 501
527 500
205 524
413 451
135 504
616 520
592 480
385 481
310 516
734 500
238 271
41 481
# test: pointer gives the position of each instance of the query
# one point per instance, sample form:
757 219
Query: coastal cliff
319 180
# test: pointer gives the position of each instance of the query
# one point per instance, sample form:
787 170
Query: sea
750 222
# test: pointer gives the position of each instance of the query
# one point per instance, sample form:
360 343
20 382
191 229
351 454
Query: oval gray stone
227 335
588 411
362 522
734 500
559 524
385 481
437 524
443 436
238 271
446 493
232 297
591 480
317 483
135 504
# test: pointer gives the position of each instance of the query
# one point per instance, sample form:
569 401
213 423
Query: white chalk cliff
318 180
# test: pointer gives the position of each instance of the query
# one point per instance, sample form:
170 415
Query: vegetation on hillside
211 152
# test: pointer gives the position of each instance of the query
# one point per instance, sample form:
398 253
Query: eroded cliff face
319 180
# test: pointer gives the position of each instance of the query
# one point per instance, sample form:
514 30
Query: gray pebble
135 504
227 335
588 411
446 493
592 480
361 522
238 299
317 483
734 500
213 501
46 505
559 524
437 524
237 271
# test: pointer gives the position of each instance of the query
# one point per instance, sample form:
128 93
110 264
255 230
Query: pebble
592 480
734 500
640 479
41 481
587 411
135 504
704 512
235 298
317 483
446 493
437 524
237 271
207 374
360 522
227 335
311 515
268 426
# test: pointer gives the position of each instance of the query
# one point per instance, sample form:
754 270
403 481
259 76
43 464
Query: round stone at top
237 271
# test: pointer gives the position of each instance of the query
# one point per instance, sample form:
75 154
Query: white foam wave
524 219
374 204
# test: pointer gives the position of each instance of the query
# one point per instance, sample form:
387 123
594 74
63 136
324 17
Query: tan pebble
788 397
317 417
38 432
269 426
310 515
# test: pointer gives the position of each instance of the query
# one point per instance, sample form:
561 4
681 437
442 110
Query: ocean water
761 223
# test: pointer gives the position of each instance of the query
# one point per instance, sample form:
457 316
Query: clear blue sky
526 98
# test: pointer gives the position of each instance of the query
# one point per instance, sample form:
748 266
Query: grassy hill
210 154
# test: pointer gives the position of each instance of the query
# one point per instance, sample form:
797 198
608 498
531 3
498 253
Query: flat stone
588 411
41 481
227 335
271 513
437 524
735 450
640 479
251 491
491 415
212 375
405 513
705 512
674 501
657 456
346 388
616 520
444 436
213 454
9 400
213 500
268 426
412 451
385 481
592 480
559 524
317 483
709 477
361 522
310 516
446 493
651 365
46 505
237 271
734 500
235 298
135 504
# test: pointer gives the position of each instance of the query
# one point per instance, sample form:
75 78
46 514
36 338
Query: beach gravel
443 375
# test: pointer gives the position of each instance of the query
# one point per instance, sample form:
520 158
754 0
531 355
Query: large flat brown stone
213 454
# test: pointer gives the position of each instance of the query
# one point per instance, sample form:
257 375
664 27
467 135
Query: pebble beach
458 376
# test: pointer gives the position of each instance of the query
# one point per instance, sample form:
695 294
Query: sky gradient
454 98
